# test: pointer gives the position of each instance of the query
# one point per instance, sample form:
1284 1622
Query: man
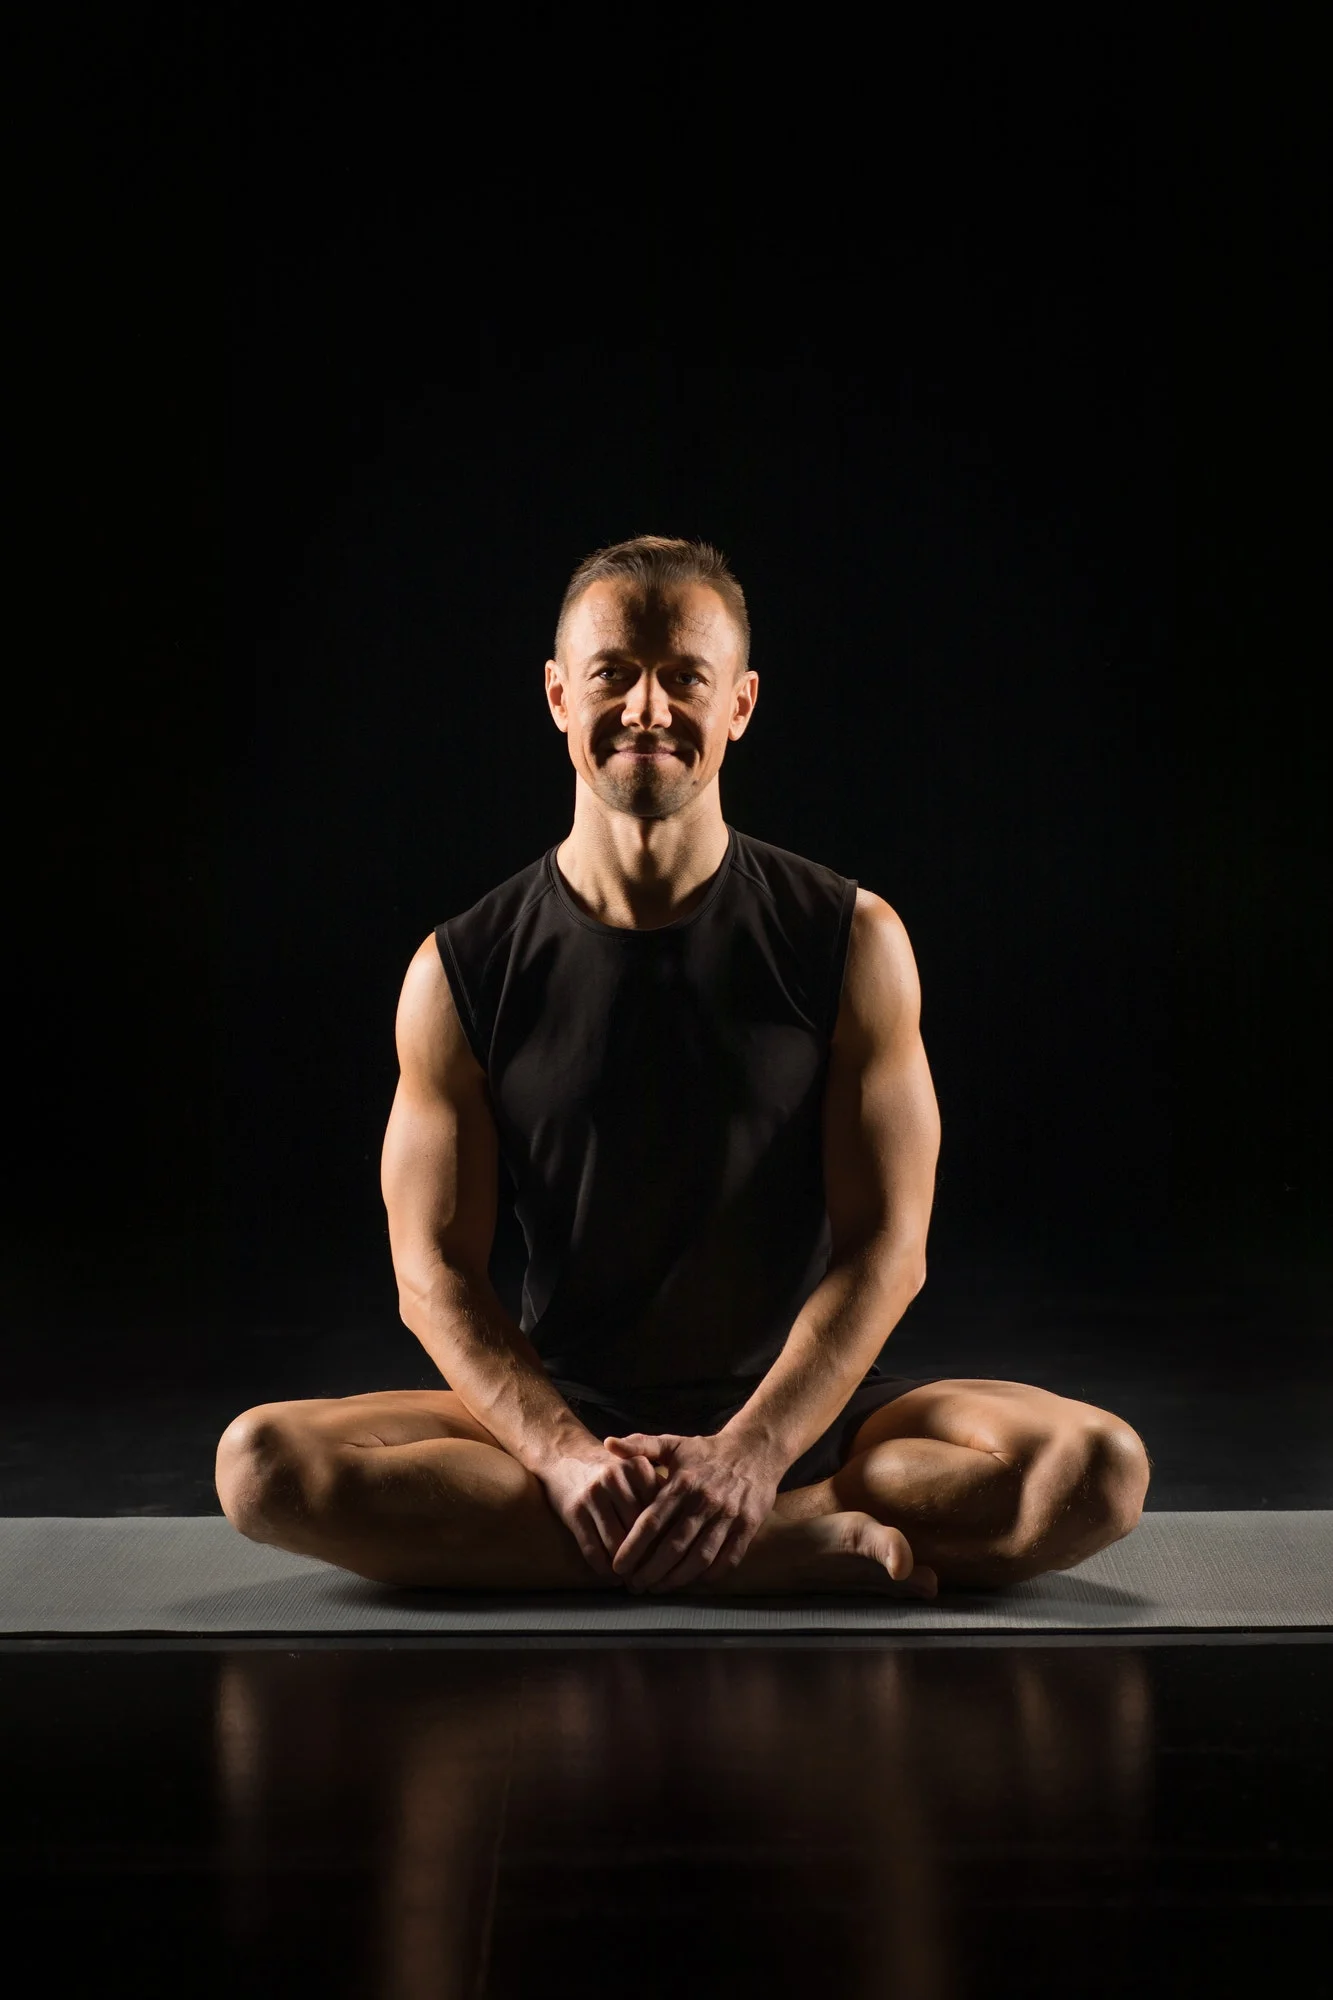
700 1059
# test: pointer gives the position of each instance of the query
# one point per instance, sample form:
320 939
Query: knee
1113 1478
261 1475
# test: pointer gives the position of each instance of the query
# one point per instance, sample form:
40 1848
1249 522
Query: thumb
637 1445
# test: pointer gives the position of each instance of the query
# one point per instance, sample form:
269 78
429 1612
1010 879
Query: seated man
700 1060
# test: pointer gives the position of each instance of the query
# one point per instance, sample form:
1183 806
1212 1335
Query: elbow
903 1263
425 1287
416 1285
889 1262
904 1268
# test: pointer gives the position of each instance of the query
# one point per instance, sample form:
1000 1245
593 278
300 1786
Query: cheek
712 727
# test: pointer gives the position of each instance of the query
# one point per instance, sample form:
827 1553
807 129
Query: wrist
563 1437
761 1442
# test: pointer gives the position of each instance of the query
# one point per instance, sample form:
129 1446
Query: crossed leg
991 1482
402 1486
988 1482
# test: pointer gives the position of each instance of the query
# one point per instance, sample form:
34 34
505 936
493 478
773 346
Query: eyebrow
614 656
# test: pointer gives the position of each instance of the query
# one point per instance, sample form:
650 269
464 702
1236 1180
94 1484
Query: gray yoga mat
1177 1572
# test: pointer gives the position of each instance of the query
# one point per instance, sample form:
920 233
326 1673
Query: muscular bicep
438 1169
881 1122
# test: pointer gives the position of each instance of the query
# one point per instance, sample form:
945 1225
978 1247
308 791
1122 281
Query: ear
556 696
742 703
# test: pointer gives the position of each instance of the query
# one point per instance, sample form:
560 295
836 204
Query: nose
646 705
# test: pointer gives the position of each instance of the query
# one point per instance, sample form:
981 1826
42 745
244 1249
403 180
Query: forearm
838 1334
488 1360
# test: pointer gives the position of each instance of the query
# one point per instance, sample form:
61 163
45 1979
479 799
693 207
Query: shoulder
881 987
430 1036
788 878
474 948
425 988
878 932
493 916
804 910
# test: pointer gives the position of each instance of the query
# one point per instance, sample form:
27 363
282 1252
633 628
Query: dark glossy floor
931 1822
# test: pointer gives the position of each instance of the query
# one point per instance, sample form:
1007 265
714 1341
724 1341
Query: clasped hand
716 1493
658 1512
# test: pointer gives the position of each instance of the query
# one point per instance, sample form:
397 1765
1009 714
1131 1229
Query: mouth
645 757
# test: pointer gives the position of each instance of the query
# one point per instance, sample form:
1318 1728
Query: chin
647 796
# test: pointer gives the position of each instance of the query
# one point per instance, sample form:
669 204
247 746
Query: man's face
649 692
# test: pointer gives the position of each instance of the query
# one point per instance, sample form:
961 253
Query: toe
923 1583
900 1561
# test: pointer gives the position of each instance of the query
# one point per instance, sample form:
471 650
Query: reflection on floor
928 1821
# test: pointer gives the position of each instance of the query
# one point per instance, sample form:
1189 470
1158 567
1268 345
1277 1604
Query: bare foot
832 1552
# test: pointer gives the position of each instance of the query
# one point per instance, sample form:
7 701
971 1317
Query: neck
641 873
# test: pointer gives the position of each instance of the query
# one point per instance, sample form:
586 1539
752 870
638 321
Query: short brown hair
656 562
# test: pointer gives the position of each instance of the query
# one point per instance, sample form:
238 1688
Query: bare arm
881 1139
438 1175
881 1143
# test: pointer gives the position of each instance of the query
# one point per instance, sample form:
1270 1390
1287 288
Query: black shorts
692 1412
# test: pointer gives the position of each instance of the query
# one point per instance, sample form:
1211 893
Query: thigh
1011 1420
384 1417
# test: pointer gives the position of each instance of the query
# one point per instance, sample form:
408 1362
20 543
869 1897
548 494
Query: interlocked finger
734 1547
588 1536
619 1487
701 1554
641 1479
688 1523
607 1507
652 1524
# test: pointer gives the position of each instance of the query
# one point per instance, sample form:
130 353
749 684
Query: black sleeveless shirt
658 1096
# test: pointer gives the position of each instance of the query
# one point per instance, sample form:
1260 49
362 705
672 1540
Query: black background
994 352
994 365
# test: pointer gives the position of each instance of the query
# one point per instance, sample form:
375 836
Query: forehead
615 616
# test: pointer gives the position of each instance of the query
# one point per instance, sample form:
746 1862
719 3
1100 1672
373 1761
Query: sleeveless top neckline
712 888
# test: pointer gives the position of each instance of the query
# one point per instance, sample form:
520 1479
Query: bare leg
404 1488
991 1482
407 1488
